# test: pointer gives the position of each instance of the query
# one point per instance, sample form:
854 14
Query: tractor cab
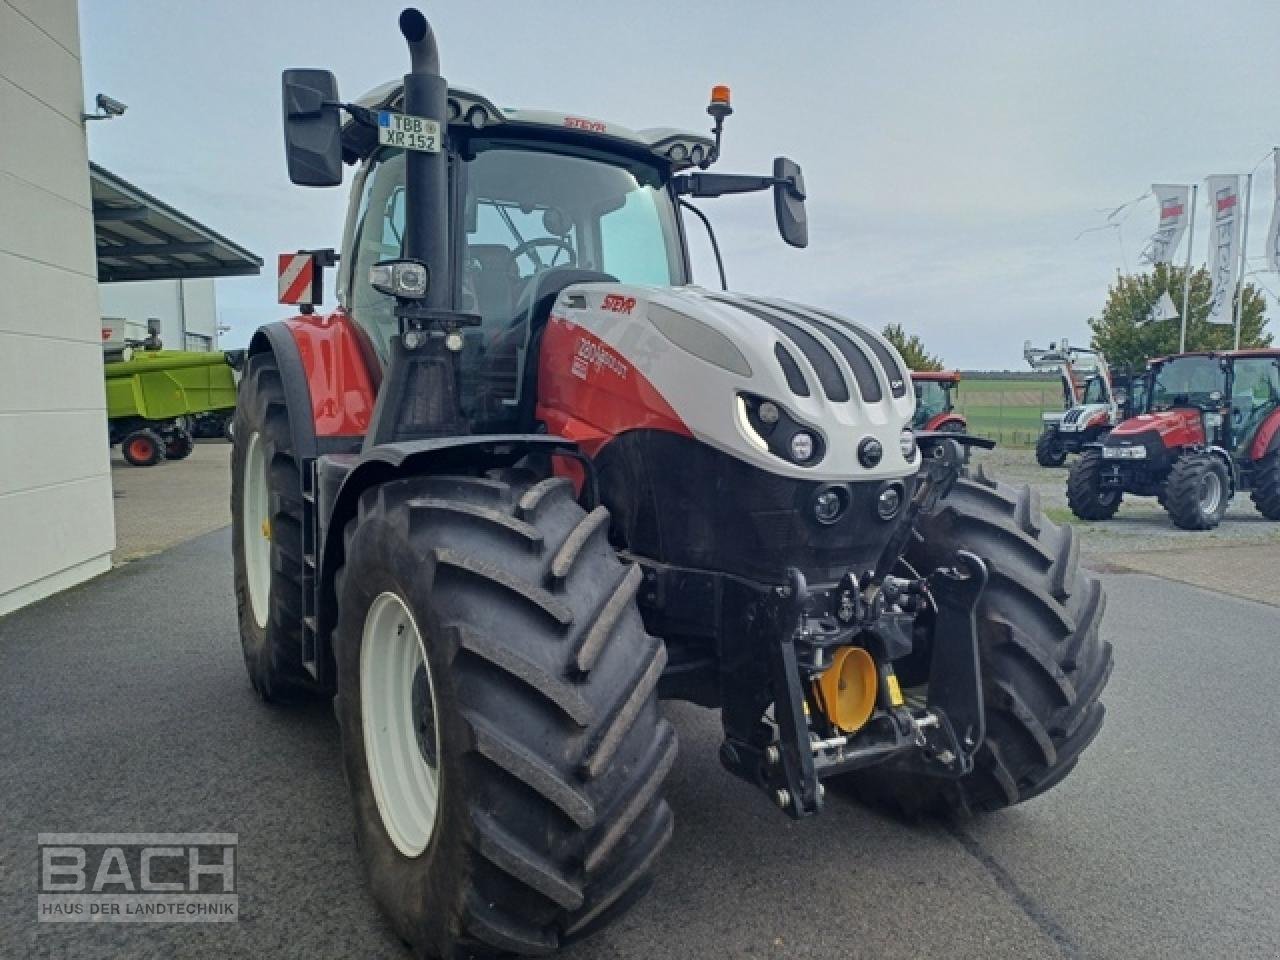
538 202
935 401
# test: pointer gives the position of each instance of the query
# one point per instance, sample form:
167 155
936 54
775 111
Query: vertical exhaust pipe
426 210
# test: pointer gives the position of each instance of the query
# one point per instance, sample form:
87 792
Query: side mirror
788 202
312 127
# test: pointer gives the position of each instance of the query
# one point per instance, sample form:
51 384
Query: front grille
823 363
859 363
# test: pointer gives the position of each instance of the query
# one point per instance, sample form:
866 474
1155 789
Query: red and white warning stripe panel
299 279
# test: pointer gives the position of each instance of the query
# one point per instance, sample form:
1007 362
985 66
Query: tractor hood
1172 428
713 357
1081 418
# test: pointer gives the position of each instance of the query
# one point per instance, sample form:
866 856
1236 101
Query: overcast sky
952 151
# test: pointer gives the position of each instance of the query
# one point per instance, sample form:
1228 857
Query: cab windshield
1095 391
1187 382
932 398
532 221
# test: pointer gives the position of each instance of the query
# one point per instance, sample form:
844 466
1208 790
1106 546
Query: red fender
1267 438
939 421
336 358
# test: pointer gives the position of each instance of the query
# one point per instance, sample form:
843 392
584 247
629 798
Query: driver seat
493 278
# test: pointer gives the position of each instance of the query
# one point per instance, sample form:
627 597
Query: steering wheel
529 248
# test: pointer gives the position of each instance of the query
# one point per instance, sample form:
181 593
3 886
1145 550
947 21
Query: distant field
1007 411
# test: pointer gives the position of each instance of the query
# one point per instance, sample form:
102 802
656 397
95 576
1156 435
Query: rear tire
550 751
266 535
142 448
1266 486
1043 661
1197 492
179 446
1085 495
1049 450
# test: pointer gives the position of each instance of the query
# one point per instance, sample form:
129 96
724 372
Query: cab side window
379 236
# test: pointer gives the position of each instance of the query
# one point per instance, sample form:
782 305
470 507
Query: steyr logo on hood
617 303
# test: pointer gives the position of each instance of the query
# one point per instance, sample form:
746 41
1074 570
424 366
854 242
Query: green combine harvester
155 396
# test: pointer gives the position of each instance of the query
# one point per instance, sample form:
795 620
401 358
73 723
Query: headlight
801 446
1124 453
889 501
768 412
907 443
406 279
829 504
870 452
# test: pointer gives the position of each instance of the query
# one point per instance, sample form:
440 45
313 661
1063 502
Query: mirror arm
718 184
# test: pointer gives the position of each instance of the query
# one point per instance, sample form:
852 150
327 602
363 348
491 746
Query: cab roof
1241 354
681 149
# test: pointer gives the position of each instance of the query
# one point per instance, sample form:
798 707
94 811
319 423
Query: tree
911 348
1122 333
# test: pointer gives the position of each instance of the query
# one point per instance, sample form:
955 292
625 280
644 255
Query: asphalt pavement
125 707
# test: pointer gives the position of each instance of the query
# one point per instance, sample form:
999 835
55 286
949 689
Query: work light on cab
406 279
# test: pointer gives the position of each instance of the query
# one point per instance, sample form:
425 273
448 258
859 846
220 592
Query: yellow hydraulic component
895 691
848 688
266 529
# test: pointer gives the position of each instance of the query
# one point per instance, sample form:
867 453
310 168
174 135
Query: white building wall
56 521
183 307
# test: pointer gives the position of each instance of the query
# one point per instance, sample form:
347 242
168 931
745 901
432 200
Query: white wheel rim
257 530
1210 493
400 731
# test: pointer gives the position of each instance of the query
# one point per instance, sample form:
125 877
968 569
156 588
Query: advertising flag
1174 210
1164 309
1273 234
1223 193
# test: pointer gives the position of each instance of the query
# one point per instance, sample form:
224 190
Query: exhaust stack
426 209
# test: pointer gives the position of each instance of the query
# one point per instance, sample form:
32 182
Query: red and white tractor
1092 404
935 401
1211 427
528 478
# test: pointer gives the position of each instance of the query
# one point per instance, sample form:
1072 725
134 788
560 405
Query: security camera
110 106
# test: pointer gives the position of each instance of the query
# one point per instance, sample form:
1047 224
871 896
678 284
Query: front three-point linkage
802 631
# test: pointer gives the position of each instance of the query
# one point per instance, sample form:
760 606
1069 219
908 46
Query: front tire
1197 492
1266 486
1044 663
548 753
1085 495
1049 450
266 535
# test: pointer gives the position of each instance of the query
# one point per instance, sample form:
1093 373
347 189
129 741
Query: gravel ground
1141 525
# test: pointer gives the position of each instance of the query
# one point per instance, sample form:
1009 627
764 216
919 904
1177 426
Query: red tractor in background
935 406
1211 426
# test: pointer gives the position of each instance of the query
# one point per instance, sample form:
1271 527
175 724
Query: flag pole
1244 250
1186 280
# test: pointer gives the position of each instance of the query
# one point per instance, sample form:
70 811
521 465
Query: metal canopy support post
1186 280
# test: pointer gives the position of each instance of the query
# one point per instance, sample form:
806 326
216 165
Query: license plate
408 132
